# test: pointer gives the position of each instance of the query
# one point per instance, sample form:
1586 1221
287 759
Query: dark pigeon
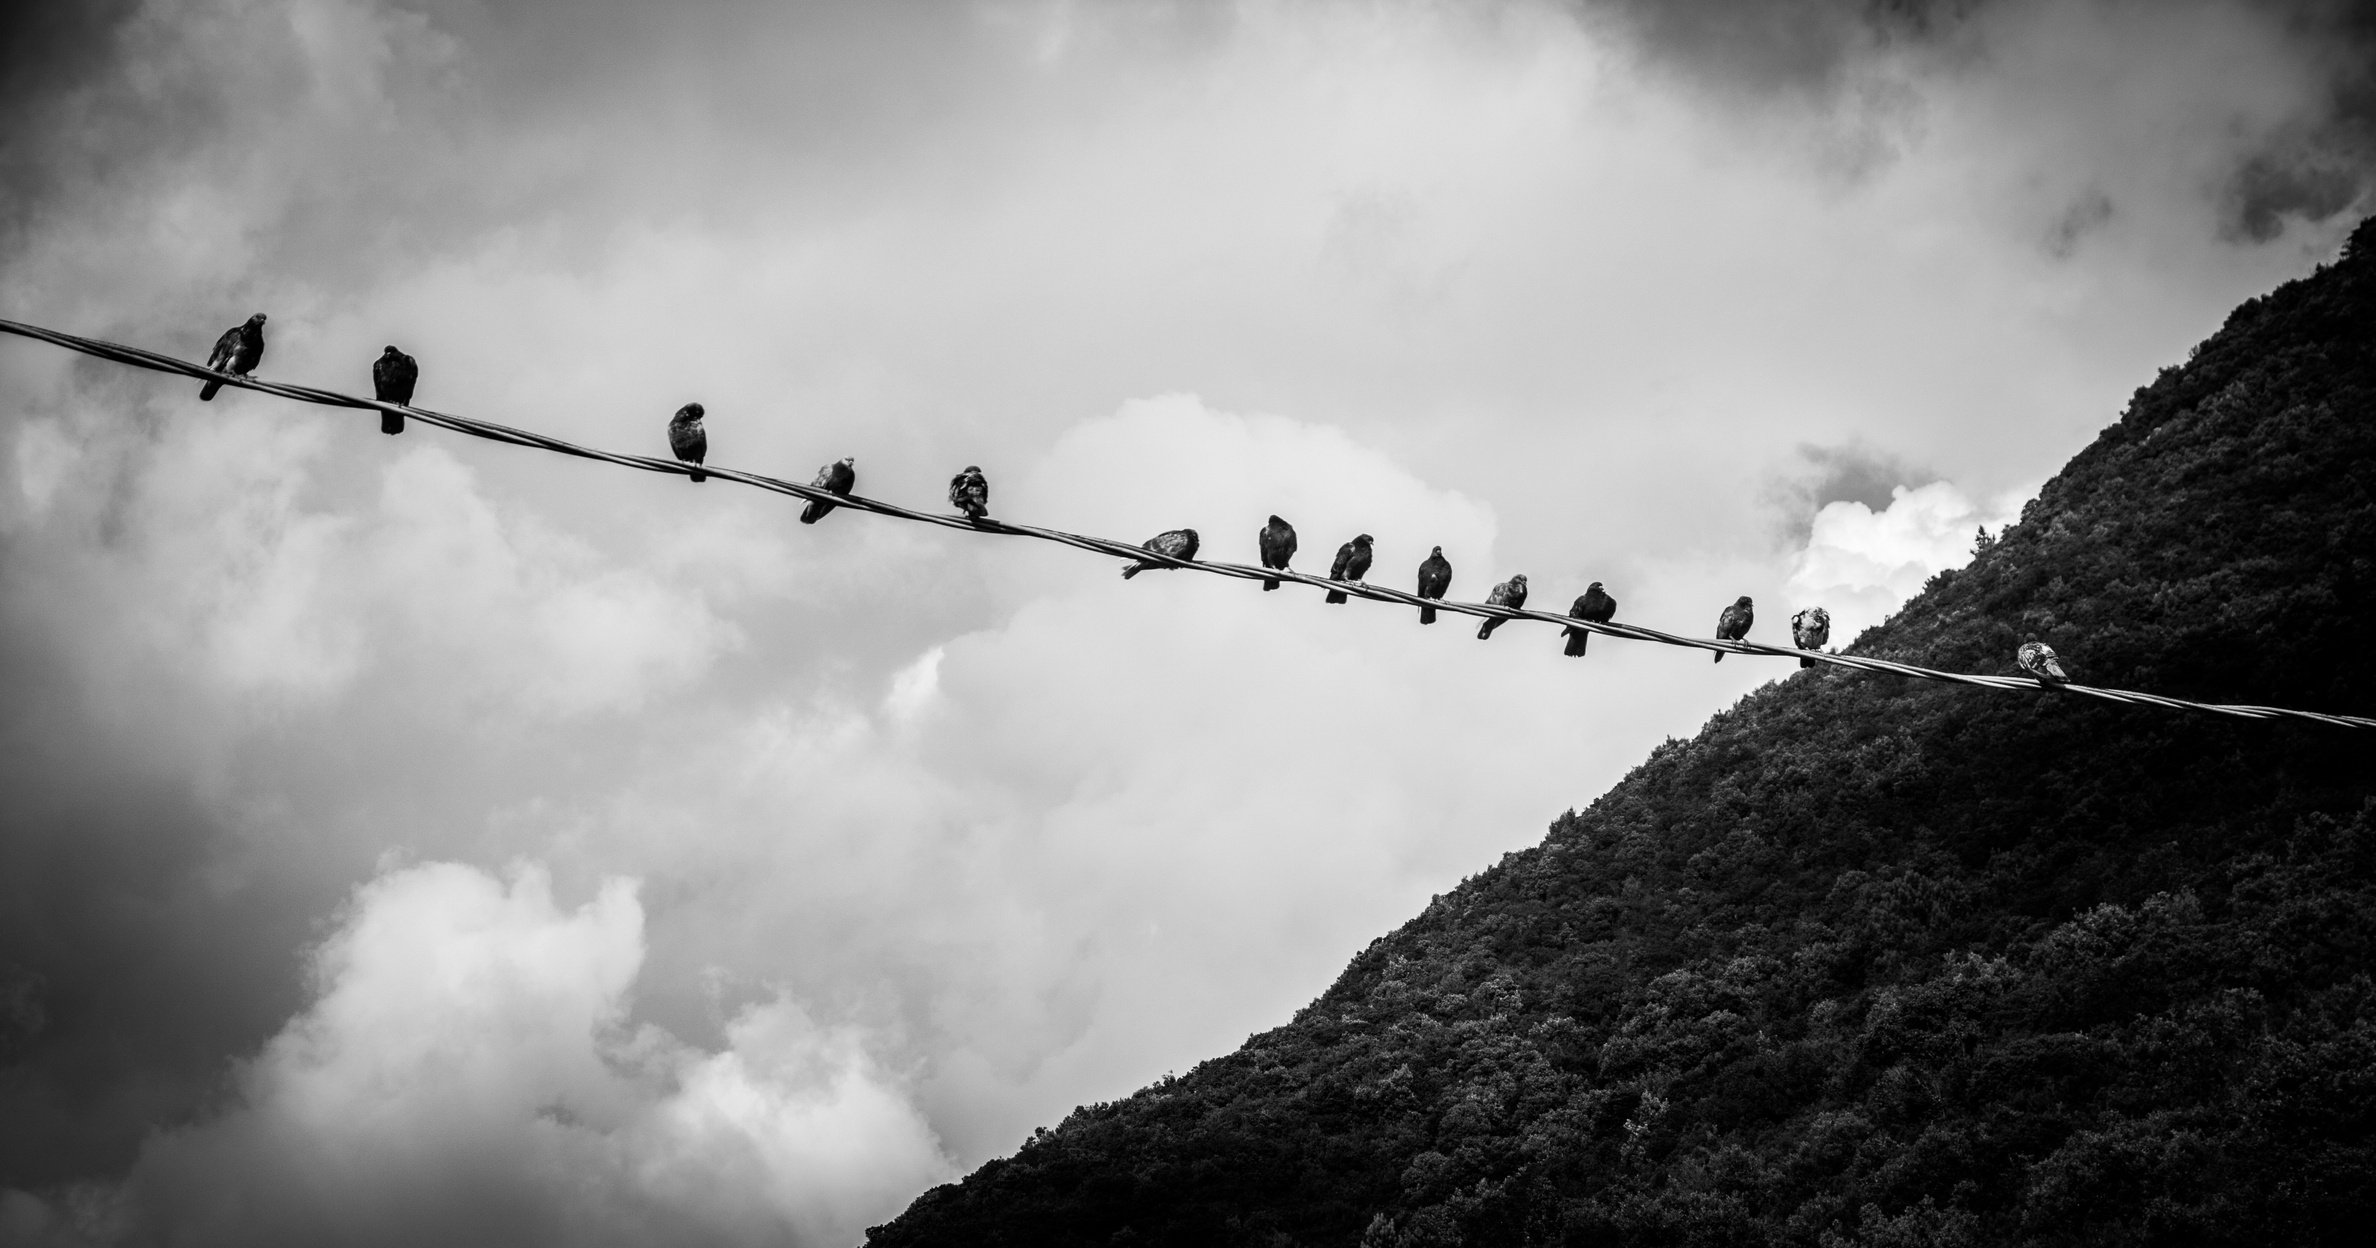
1277 542
1435 577
1734 623
1352 563
837 477
969 492
1510 593
1178 543
1810 628
237 352
393 376
687 439
2038 659
1595 605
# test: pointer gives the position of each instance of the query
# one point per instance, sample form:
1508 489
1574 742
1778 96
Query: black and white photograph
1180 623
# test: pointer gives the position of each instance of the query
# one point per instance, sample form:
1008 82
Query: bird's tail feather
1270 583
1485 629
1720 656
1575 643
699 476
814 512
207 395
1427 615
391 422
1806 663
1335 596
1133 570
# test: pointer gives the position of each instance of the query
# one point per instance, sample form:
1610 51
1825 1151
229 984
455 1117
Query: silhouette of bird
969 492
2038 659
1510 593
393 376
1734 623
1352 563
237 352
1277 541
1810 629
1593 604
837 477
687 439
1435 576
1178 543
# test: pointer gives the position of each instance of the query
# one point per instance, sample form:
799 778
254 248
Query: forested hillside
1878 961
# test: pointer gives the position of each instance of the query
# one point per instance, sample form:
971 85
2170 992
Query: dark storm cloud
2311 169
126 978
2325 163
45 50
1779 45
1851 472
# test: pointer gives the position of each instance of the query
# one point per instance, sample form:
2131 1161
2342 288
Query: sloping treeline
1869 963
232 368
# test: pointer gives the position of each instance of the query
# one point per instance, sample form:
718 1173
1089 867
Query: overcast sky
423 840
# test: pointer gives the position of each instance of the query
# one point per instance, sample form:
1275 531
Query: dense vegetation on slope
1875 961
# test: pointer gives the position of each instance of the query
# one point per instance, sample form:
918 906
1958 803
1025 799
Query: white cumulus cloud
466 1073
1862 564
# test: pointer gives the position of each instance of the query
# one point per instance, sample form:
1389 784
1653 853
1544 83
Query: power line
139 358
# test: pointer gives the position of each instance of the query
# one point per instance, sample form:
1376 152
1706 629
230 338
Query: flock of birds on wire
394 375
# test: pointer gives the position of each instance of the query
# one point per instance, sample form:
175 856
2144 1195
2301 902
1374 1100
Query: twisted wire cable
139 358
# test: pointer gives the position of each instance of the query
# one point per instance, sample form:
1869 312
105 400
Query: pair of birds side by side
688 440
241 349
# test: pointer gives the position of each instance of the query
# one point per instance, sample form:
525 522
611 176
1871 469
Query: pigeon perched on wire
969 492
1810 628
1435 577
688 440
1510 593
237 352
1352 563
1593 604
393 376
2038 659
837 477
1734 623
1277 543
1177 543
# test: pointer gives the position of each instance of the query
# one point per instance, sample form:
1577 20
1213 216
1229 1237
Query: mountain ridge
1870 960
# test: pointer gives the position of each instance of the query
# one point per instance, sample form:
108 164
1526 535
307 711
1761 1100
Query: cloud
466 1074
1022 833
1853 472
1861 564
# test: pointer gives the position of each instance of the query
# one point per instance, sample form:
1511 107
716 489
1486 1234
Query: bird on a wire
1352 563
688 440
1277 542
1177 543
837 477
969 492
393 376
237 352
1510 593
2038 659
1593 604
1810 628
1435 577
1734 623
